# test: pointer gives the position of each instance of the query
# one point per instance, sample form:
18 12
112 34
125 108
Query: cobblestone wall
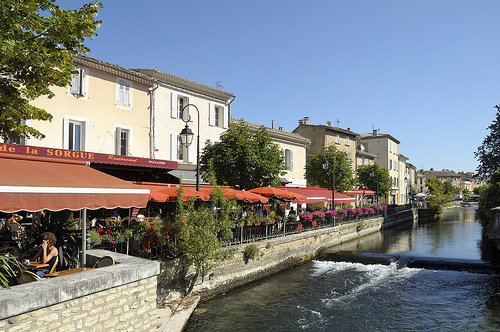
120 297
131 307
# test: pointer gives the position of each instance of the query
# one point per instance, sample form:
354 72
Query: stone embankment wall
273 255
113 298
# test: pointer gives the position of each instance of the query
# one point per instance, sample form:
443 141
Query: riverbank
272 256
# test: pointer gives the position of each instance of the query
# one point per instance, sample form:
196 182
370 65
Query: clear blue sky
425 72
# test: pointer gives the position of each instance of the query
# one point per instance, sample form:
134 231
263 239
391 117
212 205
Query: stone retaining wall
113 298
273 256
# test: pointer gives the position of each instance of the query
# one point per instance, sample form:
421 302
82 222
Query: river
341 296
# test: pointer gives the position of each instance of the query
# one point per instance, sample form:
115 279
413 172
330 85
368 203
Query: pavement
175 314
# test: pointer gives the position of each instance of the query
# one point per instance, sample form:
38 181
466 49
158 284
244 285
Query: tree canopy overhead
488 154
38 41
317 176
244 159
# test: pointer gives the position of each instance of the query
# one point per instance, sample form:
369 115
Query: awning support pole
84 238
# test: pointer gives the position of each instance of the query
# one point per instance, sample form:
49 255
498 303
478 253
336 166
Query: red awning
361 192
34 185
314 195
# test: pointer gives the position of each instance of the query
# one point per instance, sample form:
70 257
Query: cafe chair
104 261
53 267
27 276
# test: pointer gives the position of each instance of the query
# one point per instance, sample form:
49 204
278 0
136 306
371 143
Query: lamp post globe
187 136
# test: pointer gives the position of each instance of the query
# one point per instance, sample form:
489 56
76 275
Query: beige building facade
294 148
110 109
322 136
386 149
106 109
208 118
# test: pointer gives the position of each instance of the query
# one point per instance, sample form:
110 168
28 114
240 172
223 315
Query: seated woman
47 253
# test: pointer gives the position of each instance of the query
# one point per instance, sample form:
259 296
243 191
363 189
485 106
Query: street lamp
325 167
187 138
372 174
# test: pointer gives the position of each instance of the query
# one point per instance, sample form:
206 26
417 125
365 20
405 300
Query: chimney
301 122
281 128
375 132
348 129
306 120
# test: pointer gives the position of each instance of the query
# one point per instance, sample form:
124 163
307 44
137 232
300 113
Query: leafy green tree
488 154
489 198
38 41
440 194
317 176
368 181
202 229
244 159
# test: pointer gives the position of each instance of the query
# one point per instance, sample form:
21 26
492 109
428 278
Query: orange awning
241 195
278 193
171 191
36 184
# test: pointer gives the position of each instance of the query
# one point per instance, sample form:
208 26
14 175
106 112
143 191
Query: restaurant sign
92 157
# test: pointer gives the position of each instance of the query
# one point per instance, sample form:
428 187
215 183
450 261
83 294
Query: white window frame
118 129
347 141
219 120
175 110
124 93
337 139
70 120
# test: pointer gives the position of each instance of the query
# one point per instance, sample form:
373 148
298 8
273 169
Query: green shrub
250 252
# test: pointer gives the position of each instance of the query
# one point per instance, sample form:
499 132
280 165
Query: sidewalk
175 314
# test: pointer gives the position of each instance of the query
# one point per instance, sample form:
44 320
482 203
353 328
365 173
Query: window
217 114
123 94
75 135
122 137
180 107
347 140
78 82
182 151
289 160
337 139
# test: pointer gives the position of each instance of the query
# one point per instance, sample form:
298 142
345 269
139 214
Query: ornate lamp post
187 138
325 167
372 174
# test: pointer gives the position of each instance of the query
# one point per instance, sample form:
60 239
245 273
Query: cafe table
38 265
66 272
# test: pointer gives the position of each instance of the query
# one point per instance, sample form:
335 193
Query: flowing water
341 296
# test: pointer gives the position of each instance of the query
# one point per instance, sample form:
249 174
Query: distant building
386 149
322 136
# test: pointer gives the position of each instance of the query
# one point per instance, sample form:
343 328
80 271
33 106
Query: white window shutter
173 105
173 147
211 114
66 133
86 139
126 94
291 160
225 120
83 81
75 82
190 109
117 140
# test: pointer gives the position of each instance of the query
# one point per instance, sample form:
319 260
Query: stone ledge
36 295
